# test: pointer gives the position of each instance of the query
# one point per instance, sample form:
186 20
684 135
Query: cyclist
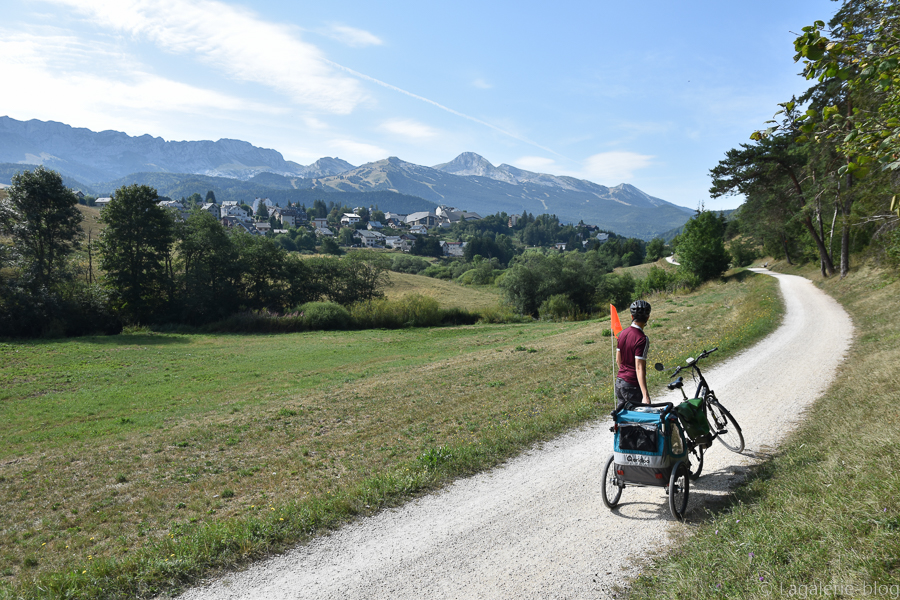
631 358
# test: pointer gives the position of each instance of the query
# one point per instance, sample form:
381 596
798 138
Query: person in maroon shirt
632 350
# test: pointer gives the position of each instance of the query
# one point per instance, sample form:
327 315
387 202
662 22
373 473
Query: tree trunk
785 248
807 220
845 213
821 231
845 238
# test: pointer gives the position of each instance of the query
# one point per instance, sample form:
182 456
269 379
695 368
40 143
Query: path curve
536 527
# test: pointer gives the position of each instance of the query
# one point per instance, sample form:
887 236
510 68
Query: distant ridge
93 157
234 169
470 182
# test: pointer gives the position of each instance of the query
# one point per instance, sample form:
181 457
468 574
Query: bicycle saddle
676 384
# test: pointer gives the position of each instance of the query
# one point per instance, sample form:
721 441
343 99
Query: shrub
458 316
503 313
409 264
558 307
410 311
438 272
325 315
743 252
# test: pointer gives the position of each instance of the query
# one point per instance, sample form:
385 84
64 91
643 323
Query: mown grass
448 293
822 518
135 464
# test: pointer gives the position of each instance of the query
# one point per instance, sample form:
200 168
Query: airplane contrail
442 107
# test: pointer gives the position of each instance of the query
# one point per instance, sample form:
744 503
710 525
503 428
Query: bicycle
722 424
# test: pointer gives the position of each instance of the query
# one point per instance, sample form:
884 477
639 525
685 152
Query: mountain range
237 170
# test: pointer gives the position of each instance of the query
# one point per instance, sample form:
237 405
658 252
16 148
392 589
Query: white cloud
55 78
408 128
357 152
353 37
481 84
234 41
612 168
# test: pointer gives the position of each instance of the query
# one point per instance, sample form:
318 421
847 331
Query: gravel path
536 527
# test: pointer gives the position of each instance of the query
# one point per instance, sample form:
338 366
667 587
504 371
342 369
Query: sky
649 93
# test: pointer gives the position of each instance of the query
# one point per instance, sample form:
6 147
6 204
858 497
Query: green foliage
701 248
535 277
438 272
664 281
427 245
136 253
209 271
558 308
39 213
743 251
615 289
262 211
483 273
403 263
345 236
410 311
329 246
656 250
325 315
488 246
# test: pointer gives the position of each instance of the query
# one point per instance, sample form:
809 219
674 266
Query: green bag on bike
693 419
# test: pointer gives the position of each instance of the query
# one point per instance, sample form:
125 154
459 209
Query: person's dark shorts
627 392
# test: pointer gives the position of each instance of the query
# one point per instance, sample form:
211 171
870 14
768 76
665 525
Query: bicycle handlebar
703 354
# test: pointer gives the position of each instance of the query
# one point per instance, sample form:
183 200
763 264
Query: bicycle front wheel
725 427
696 460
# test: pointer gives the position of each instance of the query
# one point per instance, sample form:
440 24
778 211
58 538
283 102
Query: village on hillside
370 228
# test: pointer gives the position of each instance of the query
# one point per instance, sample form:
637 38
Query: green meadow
135 464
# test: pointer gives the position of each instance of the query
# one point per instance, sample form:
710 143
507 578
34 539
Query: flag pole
615 328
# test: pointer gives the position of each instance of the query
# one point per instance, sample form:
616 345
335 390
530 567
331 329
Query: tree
329 246
427 245
262 211
209 269
533 278
135 250
41 216
210 197
773 168
345 236
701 247
263 279
656 249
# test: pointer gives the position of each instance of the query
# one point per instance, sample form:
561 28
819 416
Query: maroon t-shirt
632 345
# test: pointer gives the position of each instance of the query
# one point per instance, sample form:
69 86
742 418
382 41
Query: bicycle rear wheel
611 489
725 427
679 489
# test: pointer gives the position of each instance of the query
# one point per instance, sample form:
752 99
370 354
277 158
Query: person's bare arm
640 367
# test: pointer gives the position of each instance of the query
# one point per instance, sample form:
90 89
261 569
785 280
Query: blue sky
650 93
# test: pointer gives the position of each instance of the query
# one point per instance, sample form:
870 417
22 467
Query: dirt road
536 527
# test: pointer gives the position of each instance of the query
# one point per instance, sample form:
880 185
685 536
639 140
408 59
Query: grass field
91 223
822 518
448 293
641 271
138 463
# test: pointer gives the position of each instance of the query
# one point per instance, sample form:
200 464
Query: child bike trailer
648 450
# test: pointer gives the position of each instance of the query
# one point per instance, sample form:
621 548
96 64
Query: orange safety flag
614 318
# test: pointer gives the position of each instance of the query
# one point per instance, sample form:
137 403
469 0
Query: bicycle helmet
640 310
